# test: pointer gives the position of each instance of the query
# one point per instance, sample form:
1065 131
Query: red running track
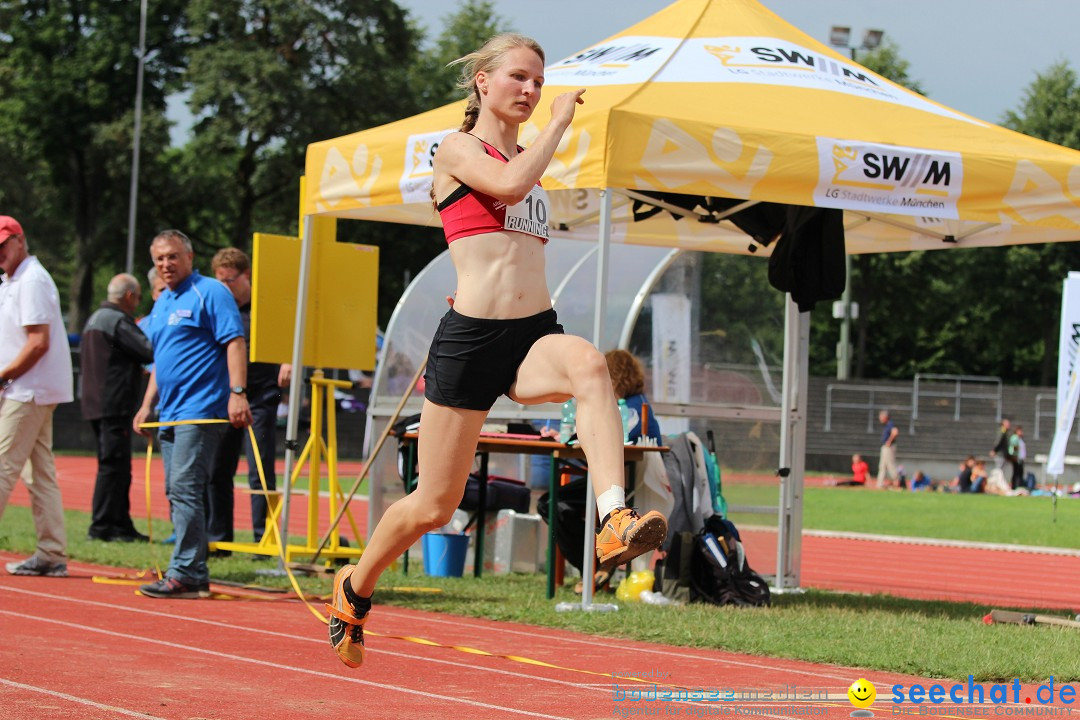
73 648
996 578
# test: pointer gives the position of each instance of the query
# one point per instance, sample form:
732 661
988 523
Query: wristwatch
5 383
239 390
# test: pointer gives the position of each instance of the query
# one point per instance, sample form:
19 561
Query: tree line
264 78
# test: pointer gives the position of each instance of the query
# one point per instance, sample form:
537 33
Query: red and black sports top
467 212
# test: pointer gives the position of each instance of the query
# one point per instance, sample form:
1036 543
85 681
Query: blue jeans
188 452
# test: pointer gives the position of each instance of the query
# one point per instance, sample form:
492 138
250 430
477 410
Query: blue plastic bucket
444 554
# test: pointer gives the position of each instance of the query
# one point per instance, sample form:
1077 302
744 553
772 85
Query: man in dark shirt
113 352
233 268
963 480
1000 453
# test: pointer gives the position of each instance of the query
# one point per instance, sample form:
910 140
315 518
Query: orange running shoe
346 629
626 535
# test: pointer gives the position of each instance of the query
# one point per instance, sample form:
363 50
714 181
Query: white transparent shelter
722 393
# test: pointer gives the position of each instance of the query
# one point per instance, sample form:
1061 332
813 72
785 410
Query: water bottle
568 421
625 412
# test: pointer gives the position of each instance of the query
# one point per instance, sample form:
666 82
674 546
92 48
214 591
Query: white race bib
530 216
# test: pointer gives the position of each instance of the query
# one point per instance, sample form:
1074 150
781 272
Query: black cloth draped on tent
808 260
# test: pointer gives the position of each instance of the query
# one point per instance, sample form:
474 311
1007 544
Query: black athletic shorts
473 361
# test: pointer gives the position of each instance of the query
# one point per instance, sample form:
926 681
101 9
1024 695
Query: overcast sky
977 56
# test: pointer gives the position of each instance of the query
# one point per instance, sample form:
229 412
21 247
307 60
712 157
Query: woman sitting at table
628 381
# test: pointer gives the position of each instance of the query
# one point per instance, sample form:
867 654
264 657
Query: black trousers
1017 474
111 511
219 491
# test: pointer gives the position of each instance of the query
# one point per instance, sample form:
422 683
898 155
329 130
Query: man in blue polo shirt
200 372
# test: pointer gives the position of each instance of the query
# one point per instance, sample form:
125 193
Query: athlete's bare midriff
500 275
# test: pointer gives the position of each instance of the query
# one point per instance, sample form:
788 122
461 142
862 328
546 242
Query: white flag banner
671 354
1068 386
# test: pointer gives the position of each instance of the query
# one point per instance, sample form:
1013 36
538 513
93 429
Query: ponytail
486 59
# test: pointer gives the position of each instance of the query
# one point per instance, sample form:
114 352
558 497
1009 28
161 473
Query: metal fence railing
869 401
955 389
1040 413
932 385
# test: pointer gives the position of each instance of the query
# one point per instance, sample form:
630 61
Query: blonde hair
486 59
232 258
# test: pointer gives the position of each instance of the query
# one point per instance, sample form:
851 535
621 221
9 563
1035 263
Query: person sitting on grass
921 481
962 482
859 470
978 477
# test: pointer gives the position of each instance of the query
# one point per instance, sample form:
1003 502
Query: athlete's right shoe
626 535
346 627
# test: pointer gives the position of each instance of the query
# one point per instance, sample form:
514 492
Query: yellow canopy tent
723 99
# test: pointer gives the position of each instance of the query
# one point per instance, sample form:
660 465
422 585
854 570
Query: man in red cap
35 375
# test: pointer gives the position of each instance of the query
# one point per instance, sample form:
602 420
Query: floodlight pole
871 40
133 197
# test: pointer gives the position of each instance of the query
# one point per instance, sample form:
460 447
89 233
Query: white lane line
387 611
602 688
305 638
936 542
281 666
81 701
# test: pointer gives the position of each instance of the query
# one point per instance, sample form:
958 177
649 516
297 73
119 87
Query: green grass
935 639
984 518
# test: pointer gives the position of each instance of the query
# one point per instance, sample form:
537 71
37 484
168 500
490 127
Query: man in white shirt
35 375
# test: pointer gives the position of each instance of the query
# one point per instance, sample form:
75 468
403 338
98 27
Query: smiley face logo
862 693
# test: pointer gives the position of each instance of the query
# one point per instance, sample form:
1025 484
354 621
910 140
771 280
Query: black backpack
711 567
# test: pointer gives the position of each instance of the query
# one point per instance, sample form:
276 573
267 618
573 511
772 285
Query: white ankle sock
610 501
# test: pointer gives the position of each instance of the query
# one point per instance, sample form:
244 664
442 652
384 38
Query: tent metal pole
296 387
907 226
976 230
674 209
590 216
792 446
600 310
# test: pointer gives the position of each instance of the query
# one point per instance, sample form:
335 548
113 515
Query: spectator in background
921 481
962 482
35 375
264 382
157 286
978 477
1017 455
859 471
114 350
628 382
888 474
1000 452
200 370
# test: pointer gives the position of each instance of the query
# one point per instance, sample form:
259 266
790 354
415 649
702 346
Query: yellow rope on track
282 537
283 540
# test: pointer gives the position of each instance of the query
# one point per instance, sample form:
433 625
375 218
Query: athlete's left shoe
626 535
346 622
